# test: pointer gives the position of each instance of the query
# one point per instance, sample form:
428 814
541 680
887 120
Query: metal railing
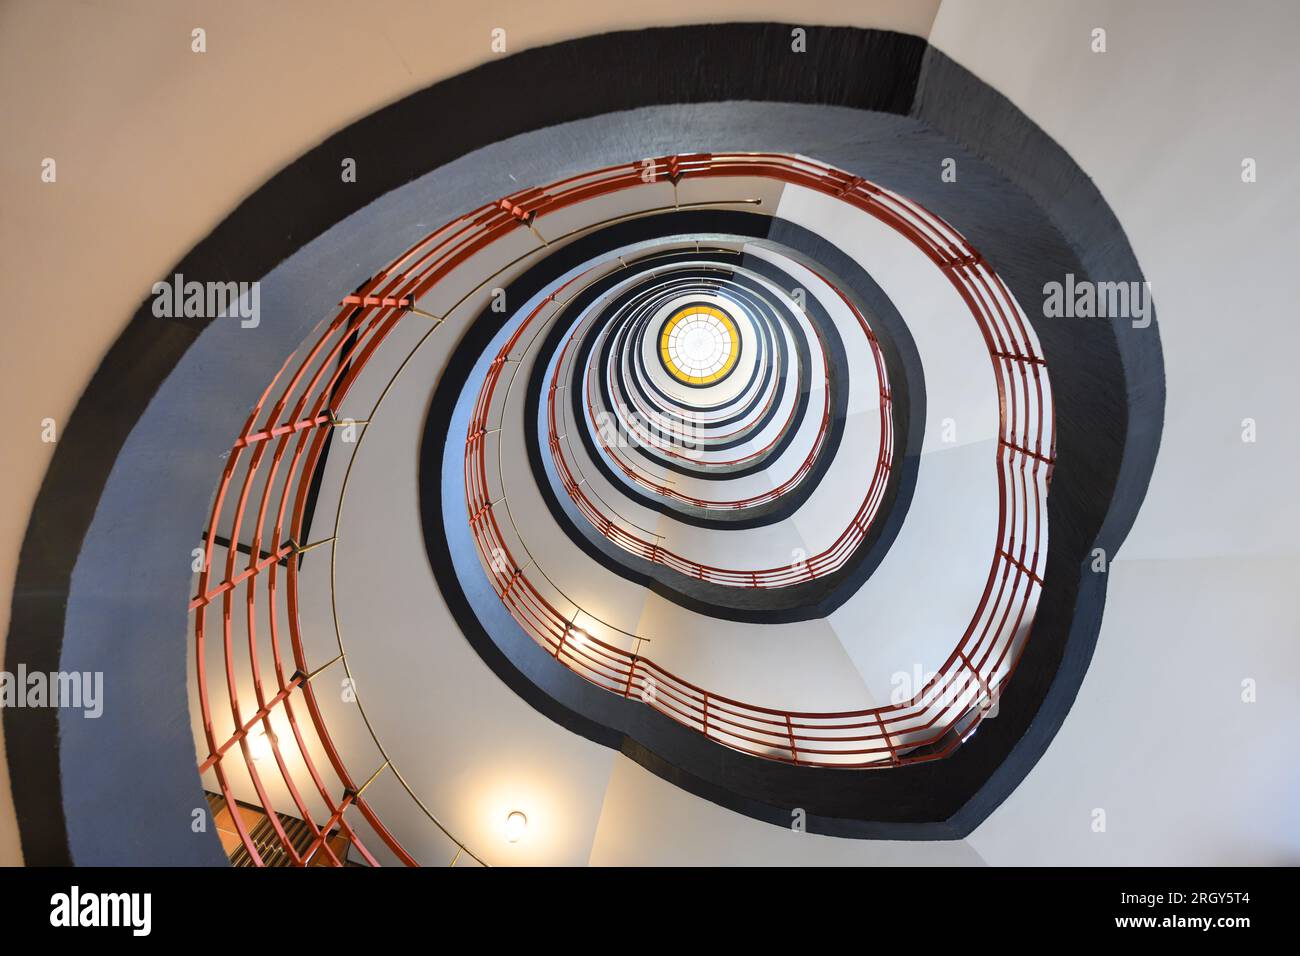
632 405
654 438
825 562
271 477
933 721
645 479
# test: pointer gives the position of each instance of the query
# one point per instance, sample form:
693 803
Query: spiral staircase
689 468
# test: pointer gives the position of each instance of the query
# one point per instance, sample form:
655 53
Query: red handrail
275 457
823 563
826 562
951 703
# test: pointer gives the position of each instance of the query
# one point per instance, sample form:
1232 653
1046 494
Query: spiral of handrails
653 439
637 407
267 481
632 405
664 427
640 476
931 723
825 562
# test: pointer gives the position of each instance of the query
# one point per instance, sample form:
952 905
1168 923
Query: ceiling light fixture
516 824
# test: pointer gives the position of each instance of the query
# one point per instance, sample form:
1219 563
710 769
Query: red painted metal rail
825 562
698 417
934 720
261 504
645 479
649 438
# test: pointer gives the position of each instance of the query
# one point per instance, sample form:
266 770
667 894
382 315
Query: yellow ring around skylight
693 375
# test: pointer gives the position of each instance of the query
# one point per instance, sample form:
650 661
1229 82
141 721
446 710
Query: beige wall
155 145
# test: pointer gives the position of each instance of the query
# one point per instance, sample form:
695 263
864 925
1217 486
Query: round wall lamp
259 744
516 824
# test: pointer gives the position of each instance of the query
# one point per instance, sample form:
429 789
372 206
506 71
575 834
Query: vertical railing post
631 671
884 735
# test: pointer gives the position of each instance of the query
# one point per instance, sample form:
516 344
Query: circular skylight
699 345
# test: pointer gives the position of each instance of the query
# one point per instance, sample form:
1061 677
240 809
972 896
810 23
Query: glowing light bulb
259 744
516 824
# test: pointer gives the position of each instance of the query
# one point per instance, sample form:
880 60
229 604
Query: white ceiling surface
768 546
1220 784
1161 122
796 666
1202 594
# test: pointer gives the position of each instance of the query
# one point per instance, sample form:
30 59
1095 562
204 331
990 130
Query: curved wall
853 49
1149 145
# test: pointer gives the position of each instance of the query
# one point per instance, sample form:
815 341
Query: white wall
1202 594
